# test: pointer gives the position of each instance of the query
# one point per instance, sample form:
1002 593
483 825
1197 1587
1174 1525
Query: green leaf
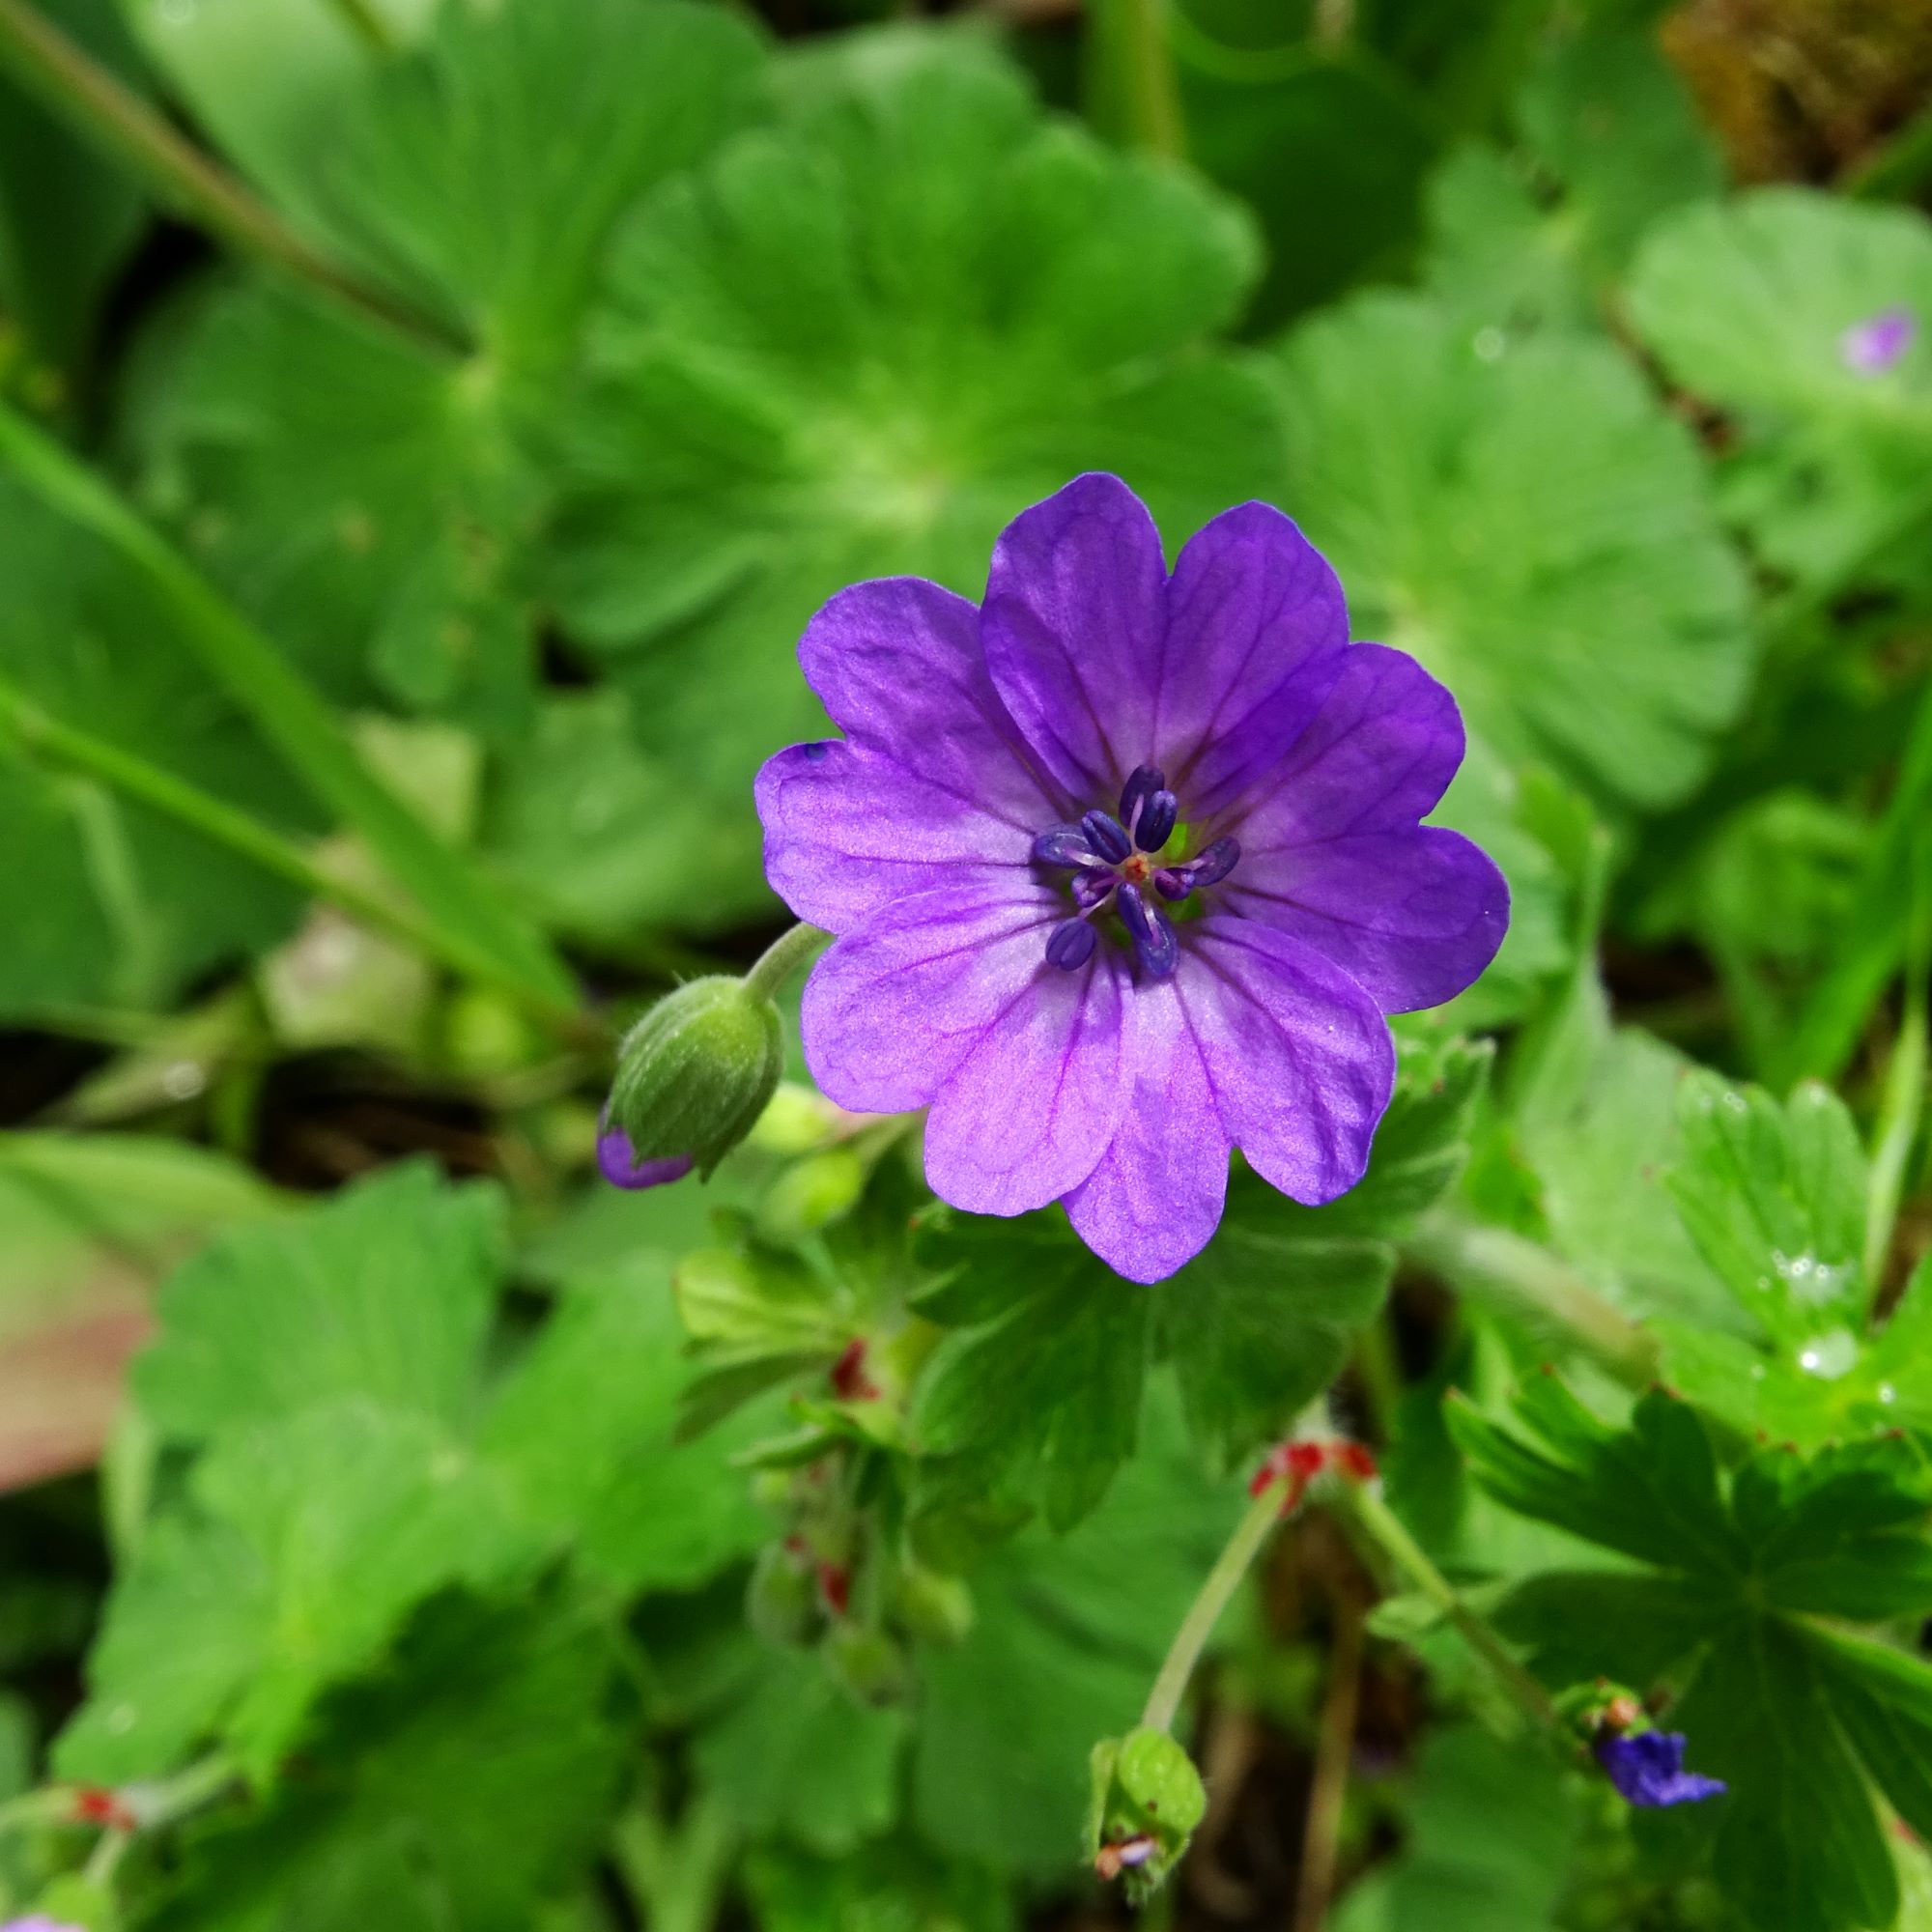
478 926
1052 1383
582 1436
1488 1839
372 500
128 905
1799 1848
477 1774
1041 1372
307 1543
88 1224
795 1757
1534 528
856 345
1735 1575
1773 1196
385 1292
1264 1319
1747 304
67 216
1610 141
1066 1636
883 1888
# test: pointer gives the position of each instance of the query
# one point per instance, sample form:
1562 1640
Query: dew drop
183 1080
1489 342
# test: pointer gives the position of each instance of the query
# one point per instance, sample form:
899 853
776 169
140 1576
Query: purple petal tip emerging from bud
620 1166
1647 1769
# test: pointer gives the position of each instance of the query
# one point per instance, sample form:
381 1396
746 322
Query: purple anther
1210 867
1171 882
1070 944
1154 826
1153 932
1065 845
1105 836
1141 785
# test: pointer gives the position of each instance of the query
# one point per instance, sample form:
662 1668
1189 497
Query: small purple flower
1647 1768
1198 770
1872 346
618 1163
37 1922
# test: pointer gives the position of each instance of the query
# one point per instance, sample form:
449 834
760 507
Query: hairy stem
1903 1103
1204 1613
111 115
783 957
1385 1530
1492 1264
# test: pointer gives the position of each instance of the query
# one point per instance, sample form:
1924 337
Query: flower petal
897 1003
1026 1114
897 663
1412 917
1298 1056
1256 636
1073 628
848 828
1379 754
1154 1200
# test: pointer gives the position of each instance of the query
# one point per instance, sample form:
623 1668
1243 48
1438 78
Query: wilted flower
1647 1767
1872 346
1126 870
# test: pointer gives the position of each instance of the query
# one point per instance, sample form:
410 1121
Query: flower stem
1131 70
368 25
1903 1103
781 958
1493 1265
1384 1528
1204 1613
114 118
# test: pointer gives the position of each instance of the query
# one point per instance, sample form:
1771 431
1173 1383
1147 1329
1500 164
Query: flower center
1112 862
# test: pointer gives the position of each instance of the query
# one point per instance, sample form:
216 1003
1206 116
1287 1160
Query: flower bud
781 1602
934 1606
1146 1803
693 1077
871 1667
810 1194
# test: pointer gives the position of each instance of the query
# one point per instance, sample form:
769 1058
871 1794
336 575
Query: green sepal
1145 1788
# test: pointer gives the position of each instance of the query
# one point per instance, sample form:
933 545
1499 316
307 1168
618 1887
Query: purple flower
1876 345
1125 869
37 1922
1647 1767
